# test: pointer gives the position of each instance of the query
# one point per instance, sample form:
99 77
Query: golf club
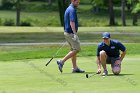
89 76
56 53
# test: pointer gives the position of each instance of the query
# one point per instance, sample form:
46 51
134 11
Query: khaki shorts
74 44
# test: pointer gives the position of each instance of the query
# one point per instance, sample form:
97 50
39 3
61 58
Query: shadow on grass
120 75
81 73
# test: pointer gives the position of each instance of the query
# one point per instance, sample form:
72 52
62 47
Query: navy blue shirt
70 15
113 50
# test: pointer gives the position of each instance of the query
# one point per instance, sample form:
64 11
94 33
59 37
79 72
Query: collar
72 5
107 45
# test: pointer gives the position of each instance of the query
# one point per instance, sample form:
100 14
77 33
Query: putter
87 75
55 54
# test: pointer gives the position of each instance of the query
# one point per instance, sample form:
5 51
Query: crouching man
108 52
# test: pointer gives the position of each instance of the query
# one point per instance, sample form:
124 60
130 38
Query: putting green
31 76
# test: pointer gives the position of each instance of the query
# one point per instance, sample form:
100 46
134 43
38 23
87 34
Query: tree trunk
96 9
62 4
111 13
18 13
135 15
128 7
135 19
50 2
123 13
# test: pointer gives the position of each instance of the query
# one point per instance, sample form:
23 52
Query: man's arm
123 50
98 65
72 24
122 55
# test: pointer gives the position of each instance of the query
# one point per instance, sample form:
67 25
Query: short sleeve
121 46
98 51
72 15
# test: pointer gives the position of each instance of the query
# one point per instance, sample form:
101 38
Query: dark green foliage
38 7
0 22
9 22
7 4
25 23
37 0
47 15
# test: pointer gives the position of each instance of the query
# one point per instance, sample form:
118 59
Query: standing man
70 33
108 52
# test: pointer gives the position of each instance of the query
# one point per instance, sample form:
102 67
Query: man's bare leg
74 61
69 55
103 58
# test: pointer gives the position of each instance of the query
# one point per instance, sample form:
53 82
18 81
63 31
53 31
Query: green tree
99 3
135 10
7 4
96 4
128 5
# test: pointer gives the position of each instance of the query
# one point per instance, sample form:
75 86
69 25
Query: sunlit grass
32 76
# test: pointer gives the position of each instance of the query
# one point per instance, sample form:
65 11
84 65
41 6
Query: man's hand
75 37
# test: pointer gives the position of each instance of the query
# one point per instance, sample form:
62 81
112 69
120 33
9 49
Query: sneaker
105 73
60 65
77 70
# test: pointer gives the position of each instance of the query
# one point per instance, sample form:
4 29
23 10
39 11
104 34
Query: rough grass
8 53
55 34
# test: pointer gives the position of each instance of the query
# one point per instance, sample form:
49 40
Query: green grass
132 29
55 34
31 76
8 53
35 18
23 70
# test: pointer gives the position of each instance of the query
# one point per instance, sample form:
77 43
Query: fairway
31 76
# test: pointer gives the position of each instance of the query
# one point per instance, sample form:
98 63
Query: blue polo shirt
113 50
70 15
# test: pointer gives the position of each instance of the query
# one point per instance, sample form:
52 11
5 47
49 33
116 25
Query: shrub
25 23
0 22
9 22
37 0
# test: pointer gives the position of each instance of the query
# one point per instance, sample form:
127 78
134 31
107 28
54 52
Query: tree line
133 6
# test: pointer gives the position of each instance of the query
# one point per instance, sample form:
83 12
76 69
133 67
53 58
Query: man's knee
116 70
102 53
76 50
